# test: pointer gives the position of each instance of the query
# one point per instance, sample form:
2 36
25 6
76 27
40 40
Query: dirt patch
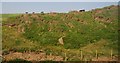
31 56
104 59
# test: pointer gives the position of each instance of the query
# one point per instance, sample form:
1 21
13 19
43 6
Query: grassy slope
81 31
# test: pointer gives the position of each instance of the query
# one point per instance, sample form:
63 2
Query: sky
60 0
22 7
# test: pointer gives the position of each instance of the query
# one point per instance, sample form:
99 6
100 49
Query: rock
61 41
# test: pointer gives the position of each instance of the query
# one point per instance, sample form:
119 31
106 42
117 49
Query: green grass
87 34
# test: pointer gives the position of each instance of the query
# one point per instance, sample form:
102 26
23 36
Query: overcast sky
60 0
21 7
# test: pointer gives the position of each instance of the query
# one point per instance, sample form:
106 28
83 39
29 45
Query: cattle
42 13
82 10
26 12
33 12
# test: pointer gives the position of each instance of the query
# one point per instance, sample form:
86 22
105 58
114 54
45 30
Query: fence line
96 55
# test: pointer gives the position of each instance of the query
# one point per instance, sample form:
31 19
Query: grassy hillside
88 31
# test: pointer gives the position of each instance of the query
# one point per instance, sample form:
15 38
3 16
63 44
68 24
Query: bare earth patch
31 56
104 59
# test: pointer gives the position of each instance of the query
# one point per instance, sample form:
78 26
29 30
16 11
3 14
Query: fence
96 56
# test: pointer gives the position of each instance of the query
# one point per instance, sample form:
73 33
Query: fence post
81 54
96 54
111 54
50 56
65 57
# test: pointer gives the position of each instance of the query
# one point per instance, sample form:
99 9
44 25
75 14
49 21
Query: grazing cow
26 12
33 12
82 10
42 13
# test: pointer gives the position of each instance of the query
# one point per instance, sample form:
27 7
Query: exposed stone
61 41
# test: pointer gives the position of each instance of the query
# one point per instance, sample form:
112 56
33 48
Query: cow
33 12
26 12
82 10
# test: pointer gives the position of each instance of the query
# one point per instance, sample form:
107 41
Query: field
74 36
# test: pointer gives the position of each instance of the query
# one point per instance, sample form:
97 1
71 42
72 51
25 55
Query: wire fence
95 56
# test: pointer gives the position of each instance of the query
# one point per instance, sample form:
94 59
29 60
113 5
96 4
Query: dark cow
33 12
42 13
26 12
82 10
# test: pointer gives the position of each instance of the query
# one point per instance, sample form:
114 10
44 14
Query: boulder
61 41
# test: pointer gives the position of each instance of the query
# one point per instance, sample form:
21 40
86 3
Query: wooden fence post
65 57
50 56
81 54
111 54
96 54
